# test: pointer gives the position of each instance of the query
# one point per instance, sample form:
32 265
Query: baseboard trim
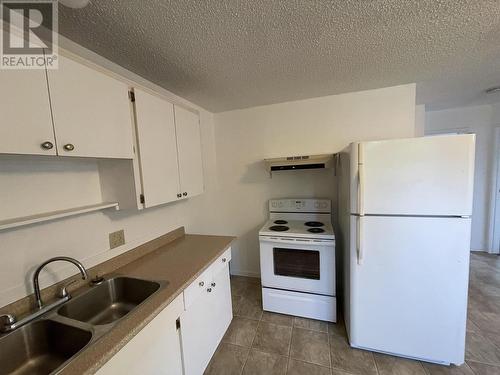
245 273
485 251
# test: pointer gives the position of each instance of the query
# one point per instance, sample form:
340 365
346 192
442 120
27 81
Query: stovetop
298 228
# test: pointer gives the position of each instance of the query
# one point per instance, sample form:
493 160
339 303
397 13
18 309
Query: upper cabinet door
91 112
157 148
26 126
187 125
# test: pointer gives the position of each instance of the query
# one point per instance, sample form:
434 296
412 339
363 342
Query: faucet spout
36 285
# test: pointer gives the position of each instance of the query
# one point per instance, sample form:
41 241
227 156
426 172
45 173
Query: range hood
288 163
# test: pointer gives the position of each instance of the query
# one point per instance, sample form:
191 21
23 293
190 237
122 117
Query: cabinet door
157 148
204 323
153 351
26 122
187 125
198 344
91 111
221 308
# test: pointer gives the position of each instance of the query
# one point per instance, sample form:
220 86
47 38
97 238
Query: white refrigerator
405 220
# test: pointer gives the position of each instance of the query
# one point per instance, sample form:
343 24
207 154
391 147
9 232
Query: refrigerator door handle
359 239
361 180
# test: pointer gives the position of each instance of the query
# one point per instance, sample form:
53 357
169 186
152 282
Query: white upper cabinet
91 112
187 125
155 128
26 126
169 150
78 111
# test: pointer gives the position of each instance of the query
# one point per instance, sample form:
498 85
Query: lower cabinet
205 321
165 347
155 350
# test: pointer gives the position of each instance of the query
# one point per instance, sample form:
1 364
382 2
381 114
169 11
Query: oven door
302 265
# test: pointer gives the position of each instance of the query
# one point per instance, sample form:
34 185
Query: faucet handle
64 291
96 280
8 319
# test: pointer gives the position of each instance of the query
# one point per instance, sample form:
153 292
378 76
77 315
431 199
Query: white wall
238 206
420 120
478 120
495 114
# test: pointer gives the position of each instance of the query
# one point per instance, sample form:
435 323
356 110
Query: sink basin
109 301
40 347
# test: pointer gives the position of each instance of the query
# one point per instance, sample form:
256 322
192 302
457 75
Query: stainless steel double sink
47 344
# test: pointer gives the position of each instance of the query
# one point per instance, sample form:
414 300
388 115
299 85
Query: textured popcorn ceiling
223 54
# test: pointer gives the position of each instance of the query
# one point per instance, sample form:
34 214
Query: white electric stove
297 259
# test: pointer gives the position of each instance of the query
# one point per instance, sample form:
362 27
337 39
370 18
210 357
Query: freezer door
409 295
415 176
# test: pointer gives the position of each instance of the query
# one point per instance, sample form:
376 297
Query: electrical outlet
116 239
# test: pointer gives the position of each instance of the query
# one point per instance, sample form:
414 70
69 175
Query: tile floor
261 343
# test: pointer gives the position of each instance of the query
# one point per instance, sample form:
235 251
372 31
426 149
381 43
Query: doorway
495 243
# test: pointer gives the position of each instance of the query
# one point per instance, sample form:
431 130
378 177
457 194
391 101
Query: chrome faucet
9 322
36 285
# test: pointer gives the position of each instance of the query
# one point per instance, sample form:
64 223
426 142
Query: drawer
192 292
313 306
220 263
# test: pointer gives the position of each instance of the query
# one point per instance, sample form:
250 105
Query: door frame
495 208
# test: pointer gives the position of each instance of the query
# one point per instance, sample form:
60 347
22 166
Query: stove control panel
300 205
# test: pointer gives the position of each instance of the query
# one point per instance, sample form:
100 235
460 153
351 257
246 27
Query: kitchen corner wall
420 120
238 204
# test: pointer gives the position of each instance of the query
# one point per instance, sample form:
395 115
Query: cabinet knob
179 195
201 283
47 145
224 260
213 285
209 290
69 147
185 194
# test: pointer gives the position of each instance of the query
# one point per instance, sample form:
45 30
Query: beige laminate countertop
178 262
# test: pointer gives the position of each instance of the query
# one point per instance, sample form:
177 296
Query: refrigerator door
409 295
428 176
